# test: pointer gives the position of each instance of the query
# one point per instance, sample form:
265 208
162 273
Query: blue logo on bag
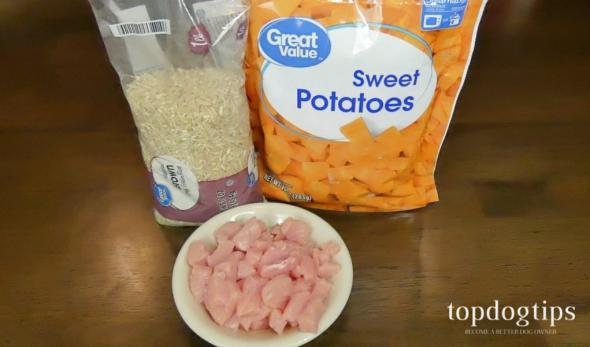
162 194
294 42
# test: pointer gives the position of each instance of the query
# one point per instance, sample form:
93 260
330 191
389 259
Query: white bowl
194 314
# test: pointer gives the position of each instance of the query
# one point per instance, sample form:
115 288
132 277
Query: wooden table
82 261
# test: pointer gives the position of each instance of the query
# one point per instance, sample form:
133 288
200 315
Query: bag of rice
350 100
180 65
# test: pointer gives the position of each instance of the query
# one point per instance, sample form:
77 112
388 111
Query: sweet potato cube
285 7
391 138
295 183
294 169
357 131
278 153
347 190
341 173
403 188
317 149
299 152
337 154
319 191
314 171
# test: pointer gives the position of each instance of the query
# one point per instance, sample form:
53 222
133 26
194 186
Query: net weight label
442 14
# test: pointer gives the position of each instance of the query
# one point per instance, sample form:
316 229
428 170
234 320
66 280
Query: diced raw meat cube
237 255
221 299
221 253
303 285
320 257
228 268
245 269
280 245
277 291
198 281
296 305
227 231
296 230
261 245
253 256
260 324
197 253
329 269
309 318
273 270
266 237
246 322
331 248
250 302
306 268
249 233
276 321
253 285
249 305
273 255
276 233
233 323
262 313
321 289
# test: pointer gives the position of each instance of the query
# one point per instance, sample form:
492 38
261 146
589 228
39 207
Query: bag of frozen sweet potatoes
350 100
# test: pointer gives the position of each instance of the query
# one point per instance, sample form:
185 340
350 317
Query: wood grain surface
82 262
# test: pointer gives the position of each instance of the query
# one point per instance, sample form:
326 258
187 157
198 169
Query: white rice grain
198 116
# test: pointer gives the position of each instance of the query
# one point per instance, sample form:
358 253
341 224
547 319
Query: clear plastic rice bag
180 66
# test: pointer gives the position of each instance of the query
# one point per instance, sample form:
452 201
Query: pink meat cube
261 244
277 291
253 256
221 299
227 269
262 313
198 281
237 255
276 233
321 289
221 253
267 236
276 321
246 322
320 257
273 255
329 269
296 305
233 323
253 285
249 233
273 270
306 268
249 306
245 269
303 285
250 302
331 248
260 324
197 253
309 318
227 231
296 230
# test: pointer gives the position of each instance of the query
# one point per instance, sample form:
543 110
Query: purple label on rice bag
199 39
212 197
